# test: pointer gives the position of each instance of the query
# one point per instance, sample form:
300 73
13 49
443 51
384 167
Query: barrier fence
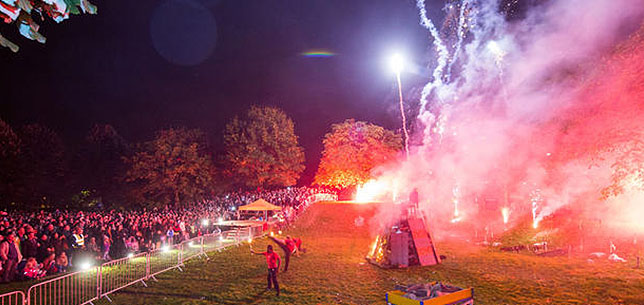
85 287
120 273
12 298
74 288
164 259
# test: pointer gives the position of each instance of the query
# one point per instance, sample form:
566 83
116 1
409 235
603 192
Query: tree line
178 166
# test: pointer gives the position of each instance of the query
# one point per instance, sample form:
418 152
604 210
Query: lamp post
397 64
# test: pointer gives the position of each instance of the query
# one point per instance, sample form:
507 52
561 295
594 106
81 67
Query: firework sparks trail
461 33
456 195
443 54
402 114
499 55
535 200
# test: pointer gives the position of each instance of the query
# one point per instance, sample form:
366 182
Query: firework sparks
441 48
535 200
497 51
462 26
456 195
505 212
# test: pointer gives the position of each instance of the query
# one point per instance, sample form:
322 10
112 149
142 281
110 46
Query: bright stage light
396 63
220 220
130 255
165 248
205 222
85 265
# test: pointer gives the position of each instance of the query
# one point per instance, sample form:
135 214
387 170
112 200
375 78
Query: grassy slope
333 272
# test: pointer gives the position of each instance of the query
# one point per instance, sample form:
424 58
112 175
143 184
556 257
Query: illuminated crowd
51 242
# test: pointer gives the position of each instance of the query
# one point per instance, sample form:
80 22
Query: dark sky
144 65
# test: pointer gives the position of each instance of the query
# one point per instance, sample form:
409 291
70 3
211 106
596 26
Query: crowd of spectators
35 244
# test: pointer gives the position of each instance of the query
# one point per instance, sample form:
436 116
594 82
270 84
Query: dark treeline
177 166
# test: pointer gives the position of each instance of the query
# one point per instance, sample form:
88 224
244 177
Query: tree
9 151
20 12
262 149
351 150
42 165
174 168
100 163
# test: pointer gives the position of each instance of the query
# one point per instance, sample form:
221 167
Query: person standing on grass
273 261
288 246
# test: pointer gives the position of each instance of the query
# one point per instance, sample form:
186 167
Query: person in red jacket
288 246
273 261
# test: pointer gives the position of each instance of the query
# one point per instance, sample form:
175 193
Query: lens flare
317 53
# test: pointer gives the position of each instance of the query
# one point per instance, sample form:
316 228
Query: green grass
333 271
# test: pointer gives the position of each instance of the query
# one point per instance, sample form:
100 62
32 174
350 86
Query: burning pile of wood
394 248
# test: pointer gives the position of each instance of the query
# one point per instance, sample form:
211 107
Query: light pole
397 64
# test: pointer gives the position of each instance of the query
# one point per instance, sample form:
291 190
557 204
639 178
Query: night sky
146 65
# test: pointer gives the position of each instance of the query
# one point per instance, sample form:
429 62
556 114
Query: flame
374 246
369 191
505 212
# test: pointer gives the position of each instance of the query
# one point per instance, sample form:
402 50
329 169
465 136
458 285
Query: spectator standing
11 256
273 262
30 245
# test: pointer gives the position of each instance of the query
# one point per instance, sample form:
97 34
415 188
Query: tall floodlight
397 64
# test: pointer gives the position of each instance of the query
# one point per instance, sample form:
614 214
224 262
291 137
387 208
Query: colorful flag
30 30
11 11
88 7
25 5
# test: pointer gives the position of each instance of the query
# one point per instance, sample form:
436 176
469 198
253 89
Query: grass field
333 271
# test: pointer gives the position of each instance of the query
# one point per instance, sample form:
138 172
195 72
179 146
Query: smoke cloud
528 114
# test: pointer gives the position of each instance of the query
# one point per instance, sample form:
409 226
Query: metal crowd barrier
212 242
118 274
192 248
85 287
75 288
164 259
13 298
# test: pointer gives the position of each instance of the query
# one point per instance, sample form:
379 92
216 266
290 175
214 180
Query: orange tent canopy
260 205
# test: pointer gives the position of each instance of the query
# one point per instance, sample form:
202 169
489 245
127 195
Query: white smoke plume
487 125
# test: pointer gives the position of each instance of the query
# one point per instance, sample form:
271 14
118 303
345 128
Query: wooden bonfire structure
407 242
